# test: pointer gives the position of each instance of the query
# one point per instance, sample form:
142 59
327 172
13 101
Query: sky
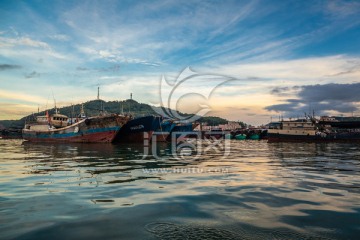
267 58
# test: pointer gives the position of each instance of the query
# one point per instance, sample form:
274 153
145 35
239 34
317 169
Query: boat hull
11 134
341 124
138 130
161 136
163 133
240 137
334 137
91 130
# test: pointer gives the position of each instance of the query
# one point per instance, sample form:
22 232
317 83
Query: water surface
259 191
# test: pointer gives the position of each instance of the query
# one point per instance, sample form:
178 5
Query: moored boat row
312 130
103 128
126 129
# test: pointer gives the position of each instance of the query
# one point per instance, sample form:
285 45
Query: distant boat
214 134
11 133
241 136
228 136
254 136
344 123
138 129
183 130
308 131
55 128
183 127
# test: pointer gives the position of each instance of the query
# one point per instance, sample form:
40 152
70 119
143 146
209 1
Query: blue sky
70 47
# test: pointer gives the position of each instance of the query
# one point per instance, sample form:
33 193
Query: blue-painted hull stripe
71 134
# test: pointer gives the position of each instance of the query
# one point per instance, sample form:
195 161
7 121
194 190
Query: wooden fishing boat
56 128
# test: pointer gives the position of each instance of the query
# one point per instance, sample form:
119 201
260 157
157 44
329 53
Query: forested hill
94 107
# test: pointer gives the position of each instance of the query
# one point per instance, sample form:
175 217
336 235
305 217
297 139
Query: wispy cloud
22 41
33 74
4 67
60 37
292 72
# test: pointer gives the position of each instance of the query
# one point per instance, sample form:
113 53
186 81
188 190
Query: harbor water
257 190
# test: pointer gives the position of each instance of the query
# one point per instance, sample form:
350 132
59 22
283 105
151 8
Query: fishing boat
299 130
163 132
309 130
183 130
138 130
11 133
57 128
183 127
340 122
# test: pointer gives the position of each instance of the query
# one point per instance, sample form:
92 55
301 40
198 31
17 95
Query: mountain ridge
94 107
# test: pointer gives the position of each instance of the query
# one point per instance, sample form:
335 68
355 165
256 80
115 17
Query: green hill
94 107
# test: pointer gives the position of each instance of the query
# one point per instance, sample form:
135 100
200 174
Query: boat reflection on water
99 158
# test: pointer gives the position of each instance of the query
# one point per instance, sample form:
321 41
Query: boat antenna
47 101
82 112
72 113
129 104
56 111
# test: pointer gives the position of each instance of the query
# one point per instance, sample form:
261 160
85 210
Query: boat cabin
42 119
59 120
328 119
299 127
288 125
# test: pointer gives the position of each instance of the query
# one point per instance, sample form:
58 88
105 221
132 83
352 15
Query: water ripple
258 191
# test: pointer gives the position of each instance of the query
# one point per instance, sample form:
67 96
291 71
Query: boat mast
101 103
122 108
56 111
72 113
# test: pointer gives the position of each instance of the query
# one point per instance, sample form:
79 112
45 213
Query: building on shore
230 126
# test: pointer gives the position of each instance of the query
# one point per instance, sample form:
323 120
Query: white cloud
20 96
60 37
23 41
298 71
343 9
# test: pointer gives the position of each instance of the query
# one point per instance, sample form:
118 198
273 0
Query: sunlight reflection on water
261 190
